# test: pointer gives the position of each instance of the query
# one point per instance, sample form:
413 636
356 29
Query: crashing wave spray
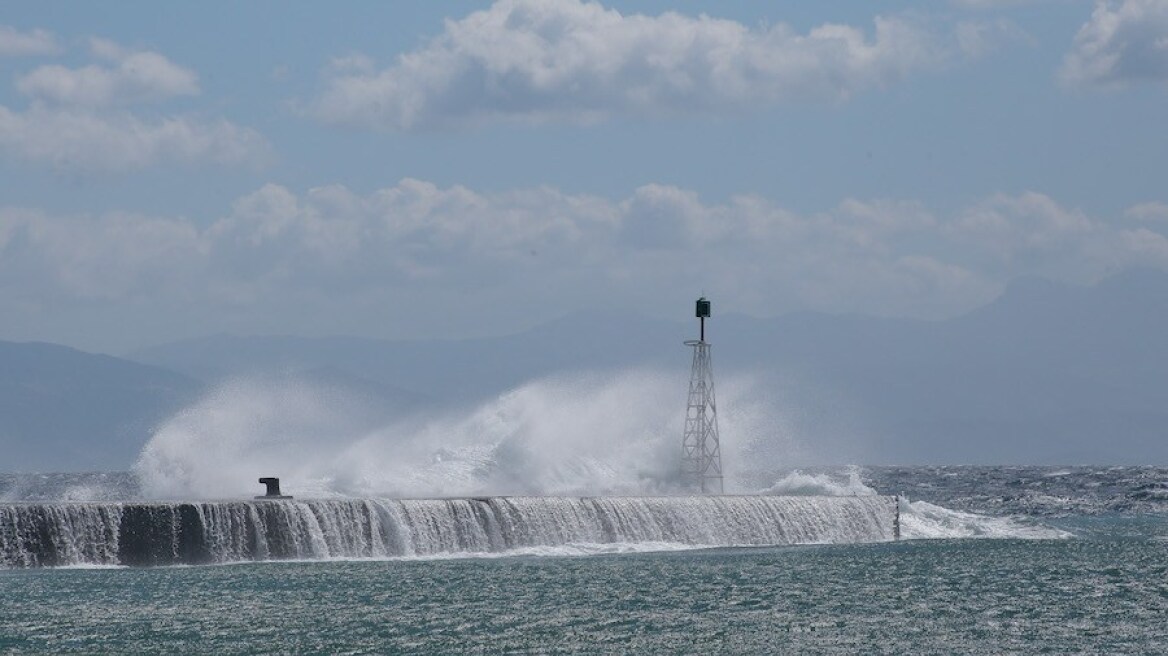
584 434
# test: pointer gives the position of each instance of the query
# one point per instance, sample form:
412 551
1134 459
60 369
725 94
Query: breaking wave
588 434
582 435
919 520
849 484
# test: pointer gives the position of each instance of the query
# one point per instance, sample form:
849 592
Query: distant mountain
1047 373
66 410
450 370
62 409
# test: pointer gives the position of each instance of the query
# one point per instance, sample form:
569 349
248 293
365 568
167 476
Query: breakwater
200 532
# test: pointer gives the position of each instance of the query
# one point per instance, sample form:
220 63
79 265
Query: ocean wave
921 520
848 483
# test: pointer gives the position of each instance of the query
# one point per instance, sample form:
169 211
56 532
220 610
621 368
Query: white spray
584 434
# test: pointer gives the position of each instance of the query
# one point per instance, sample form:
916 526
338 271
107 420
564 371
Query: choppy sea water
1006 560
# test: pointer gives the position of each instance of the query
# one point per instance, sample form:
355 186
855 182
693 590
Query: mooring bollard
273 485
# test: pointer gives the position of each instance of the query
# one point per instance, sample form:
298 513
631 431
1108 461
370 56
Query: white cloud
455 254
87 142
1123 42
565 60
1025 223
1146 247
116 257
134 77
14 43
990 4
83 120
980 38
355 63
1151 211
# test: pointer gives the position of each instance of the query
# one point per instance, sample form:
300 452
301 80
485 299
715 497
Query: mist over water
586 434
581 434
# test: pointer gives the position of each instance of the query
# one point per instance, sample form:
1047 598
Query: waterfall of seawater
34 535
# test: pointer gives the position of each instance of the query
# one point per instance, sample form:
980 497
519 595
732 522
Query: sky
463 169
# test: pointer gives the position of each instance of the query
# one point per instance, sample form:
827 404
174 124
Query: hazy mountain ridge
440 369
61 408
1046 373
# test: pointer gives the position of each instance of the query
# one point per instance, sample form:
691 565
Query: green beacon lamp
702 312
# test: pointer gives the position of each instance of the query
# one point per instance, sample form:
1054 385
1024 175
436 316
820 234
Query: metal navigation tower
701 458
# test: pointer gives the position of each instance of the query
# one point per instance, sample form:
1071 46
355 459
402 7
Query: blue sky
459 169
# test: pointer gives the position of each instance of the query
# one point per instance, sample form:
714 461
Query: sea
990 560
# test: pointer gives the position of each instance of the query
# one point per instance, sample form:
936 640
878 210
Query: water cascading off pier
137 534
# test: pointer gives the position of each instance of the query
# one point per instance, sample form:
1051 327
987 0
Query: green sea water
1106 593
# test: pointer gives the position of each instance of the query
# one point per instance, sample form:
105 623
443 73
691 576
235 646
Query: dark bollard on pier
273 485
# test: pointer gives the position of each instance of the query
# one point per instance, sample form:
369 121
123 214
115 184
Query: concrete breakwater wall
200 532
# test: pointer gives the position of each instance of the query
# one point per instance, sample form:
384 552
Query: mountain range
1047 373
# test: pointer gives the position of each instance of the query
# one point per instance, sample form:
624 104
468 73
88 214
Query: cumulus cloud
1146 247
131 77
446 254
979 38
79 141
88 120
990 4
14 43
1027 222
1123 42
1152 211
566 60
115 257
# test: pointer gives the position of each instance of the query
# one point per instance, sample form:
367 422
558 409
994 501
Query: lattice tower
701 463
